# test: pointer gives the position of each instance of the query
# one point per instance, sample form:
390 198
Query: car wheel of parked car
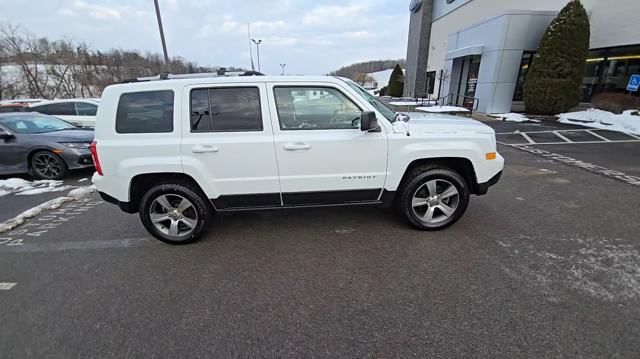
175 213
434 198
48 165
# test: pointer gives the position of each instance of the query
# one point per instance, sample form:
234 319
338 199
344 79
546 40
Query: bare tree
40 68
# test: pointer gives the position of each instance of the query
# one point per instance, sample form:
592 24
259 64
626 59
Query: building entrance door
468 81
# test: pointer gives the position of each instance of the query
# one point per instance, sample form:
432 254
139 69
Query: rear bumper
124 206
483 188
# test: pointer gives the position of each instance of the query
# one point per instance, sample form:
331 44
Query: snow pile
49 205
513 117
439 109
20 187
628 121
82 191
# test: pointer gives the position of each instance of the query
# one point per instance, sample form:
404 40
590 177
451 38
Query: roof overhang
464 51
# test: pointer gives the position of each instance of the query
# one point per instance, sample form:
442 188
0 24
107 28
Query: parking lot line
527 138
597 135
565 140
7 286
567 143
557 133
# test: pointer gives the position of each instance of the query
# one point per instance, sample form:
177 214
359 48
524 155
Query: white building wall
613 23
501 42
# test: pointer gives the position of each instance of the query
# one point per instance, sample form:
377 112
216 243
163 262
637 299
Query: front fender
471 147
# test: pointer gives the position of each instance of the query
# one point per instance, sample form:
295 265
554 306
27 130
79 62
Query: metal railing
453 100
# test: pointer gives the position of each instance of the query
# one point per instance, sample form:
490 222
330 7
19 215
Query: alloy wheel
173 215
435 201
47 165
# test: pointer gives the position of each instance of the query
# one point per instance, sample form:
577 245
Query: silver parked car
42 145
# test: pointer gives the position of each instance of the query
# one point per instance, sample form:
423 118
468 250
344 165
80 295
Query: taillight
94 155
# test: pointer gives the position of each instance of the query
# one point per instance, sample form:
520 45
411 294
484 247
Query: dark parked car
14 107
42 145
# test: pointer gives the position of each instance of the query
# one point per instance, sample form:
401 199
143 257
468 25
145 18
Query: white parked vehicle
80 112
178 150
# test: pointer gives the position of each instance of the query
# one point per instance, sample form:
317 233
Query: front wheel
48 165
434 198
175 213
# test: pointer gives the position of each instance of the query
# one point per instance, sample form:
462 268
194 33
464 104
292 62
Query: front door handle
297 146
204 149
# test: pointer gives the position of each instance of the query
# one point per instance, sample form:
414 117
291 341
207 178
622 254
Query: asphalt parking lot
546 265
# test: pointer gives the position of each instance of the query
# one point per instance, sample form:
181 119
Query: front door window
315 108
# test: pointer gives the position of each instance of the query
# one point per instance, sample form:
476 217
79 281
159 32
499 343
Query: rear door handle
297 146
204 149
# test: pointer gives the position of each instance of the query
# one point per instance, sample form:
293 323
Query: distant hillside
366 67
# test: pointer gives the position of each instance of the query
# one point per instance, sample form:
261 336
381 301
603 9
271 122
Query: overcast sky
311 37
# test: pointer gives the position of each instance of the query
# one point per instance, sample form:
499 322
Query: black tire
416 181
48 165
201 208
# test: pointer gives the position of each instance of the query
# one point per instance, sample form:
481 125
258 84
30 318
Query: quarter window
315 108
86 109
229 109
145 112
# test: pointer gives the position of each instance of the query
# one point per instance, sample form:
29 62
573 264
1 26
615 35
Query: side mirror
4 135
368 121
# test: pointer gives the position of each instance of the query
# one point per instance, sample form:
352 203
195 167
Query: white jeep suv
178 150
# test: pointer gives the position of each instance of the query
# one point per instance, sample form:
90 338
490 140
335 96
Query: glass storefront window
609 70
525 63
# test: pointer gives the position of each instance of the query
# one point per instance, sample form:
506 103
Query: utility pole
164 44
283 65
253 68
258 42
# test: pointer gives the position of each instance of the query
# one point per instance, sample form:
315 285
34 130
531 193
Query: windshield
379 105
34 123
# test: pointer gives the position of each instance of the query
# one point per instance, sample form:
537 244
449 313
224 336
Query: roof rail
168 76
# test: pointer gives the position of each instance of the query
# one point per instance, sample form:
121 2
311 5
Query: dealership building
479 51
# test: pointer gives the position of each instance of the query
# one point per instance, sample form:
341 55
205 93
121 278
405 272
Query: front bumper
483 188
77 158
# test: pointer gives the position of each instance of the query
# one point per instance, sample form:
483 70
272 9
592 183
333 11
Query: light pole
164 44
258 42
283 65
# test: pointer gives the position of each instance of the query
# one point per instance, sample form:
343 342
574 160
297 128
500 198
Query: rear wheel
47 165
434 198
175 213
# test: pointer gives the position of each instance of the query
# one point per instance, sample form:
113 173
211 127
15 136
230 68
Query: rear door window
228 109
57 109
145 112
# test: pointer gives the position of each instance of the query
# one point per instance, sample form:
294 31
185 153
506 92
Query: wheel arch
141 183
461 165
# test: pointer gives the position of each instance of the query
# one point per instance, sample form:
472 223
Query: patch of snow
438 109
83 179
628 121
19 186
3 192
49 205
603 268
82 191
513 117
412 103
42 190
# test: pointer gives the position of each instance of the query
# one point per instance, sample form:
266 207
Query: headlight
78 145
